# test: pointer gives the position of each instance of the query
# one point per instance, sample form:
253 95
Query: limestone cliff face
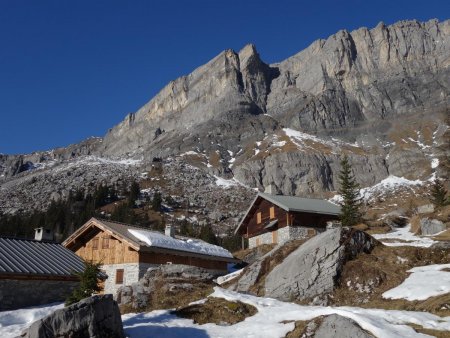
382 96
365 75
230 84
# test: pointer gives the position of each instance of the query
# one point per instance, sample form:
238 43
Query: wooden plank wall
264 207
117 252
161 258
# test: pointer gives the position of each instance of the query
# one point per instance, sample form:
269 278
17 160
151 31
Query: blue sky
73 69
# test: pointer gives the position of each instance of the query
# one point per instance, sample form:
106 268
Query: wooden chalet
126 251
278 218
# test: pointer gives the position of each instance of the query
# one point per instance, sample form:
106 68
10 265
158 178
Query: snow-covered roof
156 239
142 239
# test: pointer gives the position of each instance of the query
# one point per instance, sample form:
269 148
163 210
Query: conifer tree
89 279
349 190
438 194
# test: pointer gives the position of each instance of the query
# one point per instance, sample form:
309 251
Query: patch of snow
405 237
390 183
275 319
434 163
156 239
221 182
190 152
12 323
279 144
230 152
223 279
402 260
257 152
423 283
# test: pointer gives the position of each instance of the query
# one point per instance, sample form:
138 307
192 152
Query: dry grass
430 332
364 279
260 250
415 225
217 311
301 327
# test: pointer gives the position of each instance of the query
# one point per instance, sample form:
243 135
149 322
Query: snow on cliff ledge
156 239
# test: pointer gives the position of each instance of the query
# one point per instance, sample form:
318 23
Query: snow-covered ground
423 283
405 238
159 240
13 322
271 320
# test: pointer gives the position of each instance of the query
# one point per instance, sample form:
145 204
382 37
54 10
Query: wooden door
275 237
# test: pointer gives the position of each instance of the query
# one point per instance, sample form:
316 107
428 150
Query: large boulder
431 226
313 269
164 286
96 317
334 326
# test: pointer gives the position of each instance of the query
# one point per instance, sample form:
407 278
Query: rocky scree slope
379 95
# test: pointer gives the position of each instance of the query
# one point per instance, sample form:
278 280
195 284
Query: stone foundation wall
16 294
283 234
132 272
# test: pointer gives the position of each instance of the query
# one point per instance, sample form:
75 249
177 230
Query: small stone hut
34 272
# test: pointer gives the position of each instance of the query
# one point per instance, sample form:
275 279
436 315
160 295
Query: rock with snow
313 269
339 326
429 226
97 316
425 208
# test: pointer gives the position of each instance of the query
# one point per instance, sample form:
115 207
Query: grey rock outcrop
339 326
313 269
95 317
165 279
431 226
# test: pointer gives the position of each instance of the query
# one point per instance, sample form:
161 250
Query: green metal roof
300 204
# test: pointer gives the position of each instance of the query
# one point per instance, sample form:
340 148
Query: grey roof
30 257
300 204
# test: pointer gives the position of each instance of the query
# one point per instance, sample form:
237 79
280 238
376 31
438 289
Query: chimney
169 231
41 234
270 189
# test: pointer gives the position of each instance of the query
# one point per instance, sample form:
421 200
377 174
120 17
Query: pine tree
89 279
156 202
438 194
349 190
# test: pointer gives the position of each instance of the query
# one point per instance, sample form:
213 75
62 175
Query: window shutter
272 212
105 243
95 243
119 276
258 217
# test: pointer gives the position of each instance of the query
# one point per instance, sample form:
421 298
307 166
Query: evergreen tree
438 194
89 279
156 202
349 190
134 193
207 234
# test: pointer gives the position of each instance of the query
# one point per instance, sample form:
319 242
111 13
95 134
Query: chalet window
272 212
258 218
119 276
95 243
105 243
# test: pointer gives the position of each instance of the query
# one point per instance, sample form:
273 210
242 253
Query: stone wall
16 294
131 274
283 235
